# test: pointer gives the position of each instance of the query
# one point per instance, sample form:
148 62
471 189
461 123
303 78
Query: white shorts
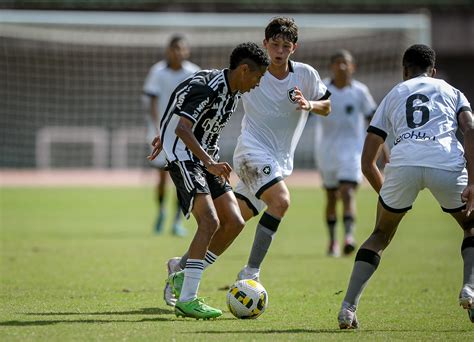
332 177
403 183
337 165
257 172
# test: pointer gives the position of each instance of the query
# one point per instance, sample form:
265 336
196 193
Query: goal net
71 82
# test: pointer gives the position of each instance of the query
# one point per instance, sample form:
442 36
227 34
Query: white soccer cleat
172 266
466 300
347 317
252 274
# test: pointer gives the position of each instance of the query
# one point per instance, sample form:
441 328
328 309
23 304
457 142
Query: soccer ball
247 299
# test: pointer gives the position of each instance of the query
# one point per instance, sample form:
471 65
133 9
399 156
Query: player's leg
331 220
194 196
366 262
348 190
160 198
400 188
446 187
188 304
466 295
277 199
178 228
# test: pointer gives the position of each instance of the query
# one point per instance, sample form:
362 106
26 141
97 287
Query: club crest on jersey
267 169
200 179
292 94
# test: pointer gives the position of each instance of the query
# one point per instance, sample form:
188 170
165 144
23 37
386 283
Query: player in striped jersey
197 111
423 114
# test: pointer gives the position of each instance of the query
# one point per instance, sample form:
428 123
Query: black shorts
191 178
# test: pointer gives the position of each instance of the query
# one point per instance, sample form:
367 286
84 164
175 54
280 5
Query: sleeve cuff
377 131
326 95
463 109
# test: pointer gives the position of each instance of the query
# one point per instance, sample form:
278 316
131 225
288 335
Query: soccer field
83 264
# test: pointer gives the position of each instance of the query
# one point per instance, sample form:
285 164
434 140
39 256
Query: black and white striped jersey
206 100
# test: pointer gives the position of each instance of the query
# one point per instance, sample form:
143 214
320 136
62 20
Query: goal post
75 71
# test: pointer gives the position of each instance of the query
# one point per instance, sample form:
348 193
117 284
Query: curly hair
419 56
248 53
282 27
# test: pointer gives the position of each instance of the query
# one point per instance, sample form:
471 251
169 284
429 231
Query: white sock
192 278
251 270
209 259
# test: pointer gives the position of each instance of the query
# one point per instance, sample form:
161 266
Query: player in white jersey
160 83
423 114
339 140
275 116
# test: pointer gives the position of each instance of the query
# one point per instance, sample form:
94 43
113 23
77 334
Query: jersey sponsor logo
291 95
267 170
413 135
201 107
180 100
212 126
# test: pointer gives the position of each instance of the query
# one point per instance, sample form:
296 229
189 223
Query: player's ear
405 73
295 45
433 72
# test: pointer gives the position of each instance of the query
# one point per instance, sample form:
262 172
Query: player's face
178 52
342 67
279 50
251 79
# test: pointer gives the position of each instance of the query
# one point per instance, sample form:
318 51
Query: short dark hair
419 56
342 53
282 27
175 39
248 53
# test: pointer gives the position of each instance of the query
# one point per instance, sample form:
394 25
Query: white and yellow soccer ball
247 299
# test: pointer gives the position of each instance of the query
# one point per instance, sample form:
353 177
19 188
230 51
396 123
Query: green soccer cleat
196 308
175 281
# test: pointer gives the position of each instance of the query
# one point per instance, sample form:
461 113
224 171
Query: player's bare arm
157 147
321 107
466 125
372 146
185 133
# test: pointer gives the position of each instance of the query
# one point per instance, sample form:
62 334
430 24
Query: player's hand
157 147
467 197
301 101
222 170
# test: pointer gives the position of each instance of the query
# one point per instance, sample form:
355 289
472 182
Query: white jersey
340 135
421 113
272 123
161 82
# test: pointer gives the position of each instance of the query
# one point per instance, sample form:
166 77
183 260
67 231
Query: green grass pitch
83 264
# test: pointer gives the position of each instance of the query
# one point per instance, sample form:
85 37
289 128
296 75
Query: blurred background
72 71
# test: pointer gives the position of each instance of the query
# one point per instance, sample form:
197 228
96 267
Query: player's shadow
322 331
143 311
81 321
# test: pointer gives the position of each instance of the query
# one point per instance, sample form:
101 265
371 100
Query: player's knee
233 227
279 206
209 224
